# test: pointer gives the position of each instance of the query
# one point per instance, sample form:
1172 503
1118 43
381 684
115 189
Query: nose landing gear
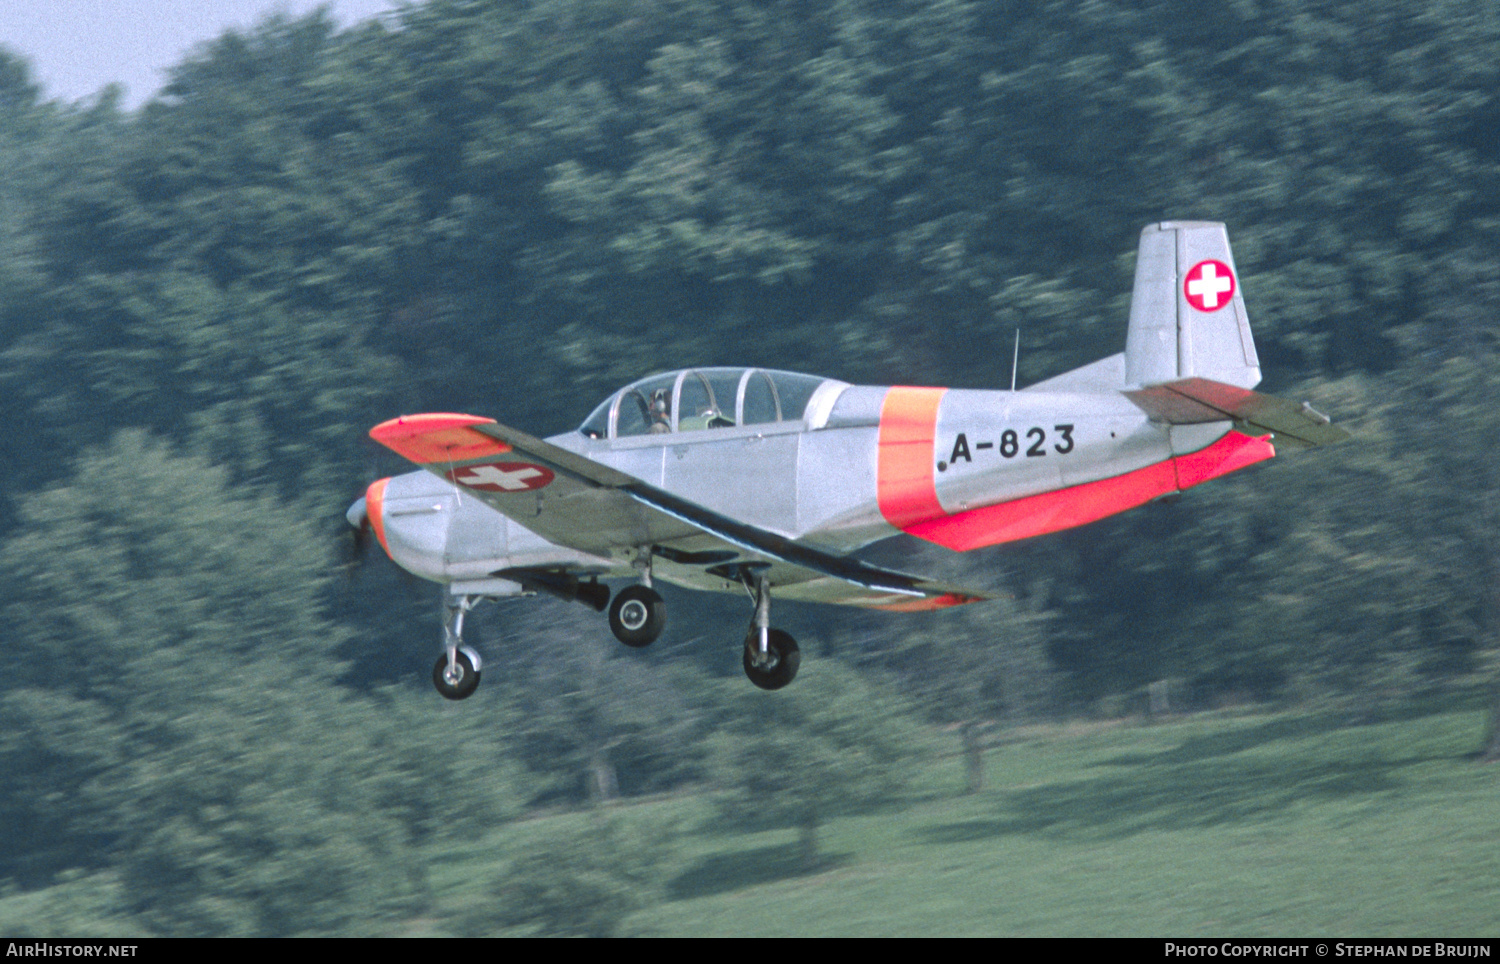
456 674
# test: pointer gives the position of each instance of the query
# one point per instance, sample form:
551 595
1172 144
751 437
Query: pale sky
76 47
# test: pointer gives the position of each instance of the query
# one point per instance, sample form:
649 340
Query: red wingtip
438 437
930 603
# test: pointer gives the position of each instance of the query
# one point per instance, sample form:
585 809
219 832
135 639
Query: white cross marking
1208 286
512 481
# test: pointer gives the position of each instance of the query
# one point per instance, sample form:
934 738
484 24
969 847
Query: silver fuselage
828 480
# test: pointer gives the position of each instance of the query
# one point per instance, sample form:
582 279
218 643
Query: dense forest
215 723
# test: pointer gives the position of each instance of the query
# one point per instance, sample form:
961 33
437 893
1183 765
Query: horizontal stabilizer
1192 401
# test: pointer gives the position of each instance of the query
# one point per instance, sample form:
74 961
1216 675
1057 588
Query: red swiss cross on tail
502 476
1209 285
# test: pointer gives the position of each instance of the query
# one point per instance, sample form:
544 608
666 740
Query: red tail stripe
1081 504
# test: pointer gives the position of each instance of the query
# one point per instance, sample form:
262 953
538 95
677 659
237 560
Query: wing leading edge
577 502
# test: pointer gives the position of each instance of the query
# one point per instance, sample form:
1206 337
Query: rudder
1187 313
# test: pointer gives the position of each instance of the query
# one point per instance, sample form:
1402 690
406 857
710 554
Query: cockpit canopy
696 399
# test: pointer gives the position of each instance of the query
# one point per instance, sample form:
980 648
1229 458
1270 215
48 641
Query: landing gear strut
771 655
456 674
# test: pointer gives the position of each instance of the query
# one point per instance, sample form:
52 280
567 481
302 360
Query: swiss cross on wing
502 476
1209 285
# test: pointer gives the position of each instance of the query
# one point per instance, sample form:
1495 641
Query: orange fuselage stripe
905 484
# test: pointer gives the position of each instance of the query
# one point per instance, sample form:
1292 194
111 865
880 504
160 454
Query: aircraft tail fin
1187 314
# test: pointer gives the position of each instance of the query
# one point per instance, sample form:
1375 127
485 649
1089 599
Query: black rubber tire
637 616
467 682
786 656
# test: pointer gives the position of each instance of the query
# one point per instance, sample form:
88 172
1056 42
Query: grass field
1291 825
1261 826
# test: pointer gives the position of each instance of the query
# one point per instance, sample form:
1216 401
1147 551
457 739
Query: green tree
593 720
578 880
832 744
196 738
976 666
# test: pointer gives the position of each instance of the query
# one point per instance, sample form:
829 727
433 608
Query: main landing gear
637 617
771 655
638 614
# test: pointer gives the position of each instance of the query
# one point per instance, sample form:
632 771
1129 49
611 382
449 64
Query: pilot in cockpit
661 412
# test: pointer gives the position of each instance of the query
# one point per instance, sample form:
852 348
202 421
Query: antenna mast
1015 361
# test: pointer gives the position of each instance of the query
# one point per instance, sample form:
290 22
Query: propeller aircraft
767 482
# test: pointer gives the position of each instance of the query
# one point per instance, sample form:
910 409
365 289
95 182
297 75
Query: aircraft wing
1190 401
574 501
